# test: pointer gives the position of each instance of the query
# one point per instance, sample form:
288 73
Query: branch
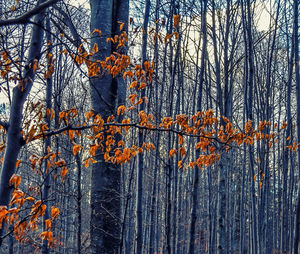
77 39
135 125
24 18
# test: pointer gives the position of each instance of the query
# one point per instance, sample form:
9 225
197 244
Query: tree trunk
45 249
199 108
14 138
140 169
296 39
106 93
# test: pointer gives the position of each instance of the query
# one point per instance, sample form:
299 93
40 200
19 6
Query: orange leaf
132 98
181 139
140 101
60 163
192 164
2 147
89 114
15 179
48 112
284 125
270 144
167 38
182 151
71 134
110 39
3 211
121 143
76 149
50 237
54 212
147 65
44 235
152 146
176 20
94 149
142 86
87 163
133 84
30 199
121 110
64 173
97 31
172 152
127 73
180 164
47 236
95 48
35 65
122 26
18 163
48 223
93 160
45 128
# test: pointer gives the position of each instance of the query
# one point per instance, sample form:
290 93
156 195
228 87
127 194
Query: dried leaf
76 149
54 212
15 179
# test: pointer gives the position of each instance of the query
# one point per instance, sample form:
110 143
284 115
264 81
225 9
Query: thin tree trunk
20 94
140 170
296 39
199 108
45 249
78 199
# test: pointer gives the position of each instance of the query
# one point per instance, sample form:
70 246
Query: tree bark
106 94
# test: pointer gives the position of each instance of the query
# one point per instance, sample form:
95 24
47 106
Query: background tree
207 157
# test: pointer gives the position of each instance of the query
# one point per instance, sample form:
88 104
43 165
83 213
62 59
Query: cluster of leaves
167 37
214 135
22 226
114 64
5 64
18 217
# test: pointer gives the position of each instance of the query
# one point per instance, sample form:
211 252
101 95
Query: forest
138 126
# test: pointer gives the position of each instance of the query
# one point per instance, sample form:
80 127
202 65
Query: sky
262 15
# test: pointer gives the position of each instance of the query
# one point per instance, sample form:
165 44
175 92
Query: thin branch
26 16
135 125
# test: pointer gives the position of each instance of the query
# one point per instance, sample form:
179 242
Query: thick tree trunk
106 93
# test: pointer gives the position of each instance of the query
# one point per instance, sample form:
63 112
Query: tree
107 93
209 96
14 138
